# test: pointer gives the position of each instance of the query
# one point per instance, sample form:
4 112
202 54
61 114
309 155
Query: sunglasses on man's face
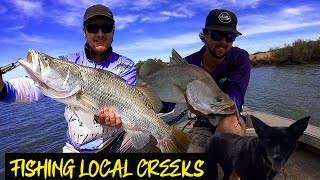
218 36
94 28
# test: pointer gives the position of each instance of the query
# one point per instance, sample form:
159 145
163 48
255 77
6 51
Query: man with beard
230 68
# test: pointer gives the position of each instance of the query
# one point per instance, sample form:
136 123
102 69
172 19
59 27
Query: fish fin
179 107
149 67
178 142
138 138
83 99
89 116
239 117
200 96
176 58
152 96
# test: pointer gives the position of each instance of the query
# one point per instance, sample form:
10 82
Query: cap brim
98 15
223 28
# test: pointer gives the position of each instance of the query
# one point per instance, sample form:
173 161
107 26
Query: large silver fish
171 82
90 89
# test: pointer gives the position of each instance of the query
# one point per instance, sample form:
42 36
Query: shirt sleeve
22 90
238 79
128 71
130 76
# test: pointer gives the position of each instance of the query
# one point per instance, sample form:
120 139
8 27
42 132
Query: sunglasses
94 28
218 36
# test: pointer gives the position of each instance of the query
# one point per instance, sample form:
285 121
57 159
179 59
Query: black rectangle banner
106 166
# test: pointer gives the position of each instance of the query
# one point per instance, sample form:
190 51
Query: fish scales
92 89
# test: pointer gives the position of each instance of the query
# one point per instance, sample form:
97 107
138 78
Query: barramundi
91 89
179 77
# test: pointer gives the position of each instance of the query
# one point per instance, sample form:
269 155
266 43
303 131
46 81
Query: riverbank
261 59
299 52
266 59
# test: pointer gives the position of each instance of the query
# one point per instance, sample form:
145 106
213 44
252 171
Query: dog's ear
300 126
259 126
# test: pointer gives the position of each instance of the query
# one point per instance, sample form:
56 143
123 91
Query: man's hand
1 82
108 118
145 84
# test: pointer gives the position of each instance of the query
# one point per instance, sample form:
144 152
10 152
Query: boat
303 164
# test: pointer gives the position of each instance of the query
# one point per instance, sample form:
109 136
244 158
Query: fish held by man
179 77
90 89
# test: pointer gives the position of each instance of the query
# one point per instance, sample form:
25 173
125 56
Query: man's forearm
1 83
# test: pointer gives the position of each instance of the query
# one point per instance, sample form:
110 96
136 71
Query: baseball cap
97 10
222 20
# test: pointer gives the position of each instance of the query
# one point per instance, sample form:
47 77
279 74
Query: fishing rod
9 67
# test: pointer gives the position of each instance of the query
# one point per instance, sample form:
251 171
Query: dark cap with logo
97 10
222 20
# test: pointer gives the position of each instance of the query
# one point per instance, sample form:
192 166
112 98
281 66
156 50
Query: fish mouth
29 68
32 67
229 109
29 57
27 65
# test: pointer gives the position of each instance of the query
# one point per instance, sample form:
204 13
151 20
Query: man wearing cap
230 68
104 134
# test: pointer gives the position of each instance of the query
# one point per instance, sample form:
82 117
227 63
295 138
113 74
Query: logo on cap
224 17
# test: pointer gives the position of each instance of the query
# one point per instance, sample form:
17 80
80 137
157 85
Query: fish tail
178 142
239 118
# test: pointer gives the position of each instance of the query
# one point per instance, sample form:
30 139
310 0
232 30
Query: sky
150 28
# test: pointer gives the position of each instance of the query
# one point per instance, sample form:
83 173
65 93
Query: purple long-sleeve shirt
232 75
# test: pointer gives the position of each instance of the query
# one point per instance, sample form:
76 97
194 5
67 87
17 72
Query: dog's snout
277 158
276 152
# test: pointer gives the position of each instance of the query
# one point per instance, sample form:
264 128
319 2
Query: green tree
300 51
139 64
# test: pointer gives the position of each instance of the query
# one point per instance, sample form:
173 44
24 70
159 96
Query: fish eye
219 99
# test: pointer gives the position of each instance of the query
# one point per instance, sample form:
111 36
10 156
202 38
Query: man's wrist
3 91
1 82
